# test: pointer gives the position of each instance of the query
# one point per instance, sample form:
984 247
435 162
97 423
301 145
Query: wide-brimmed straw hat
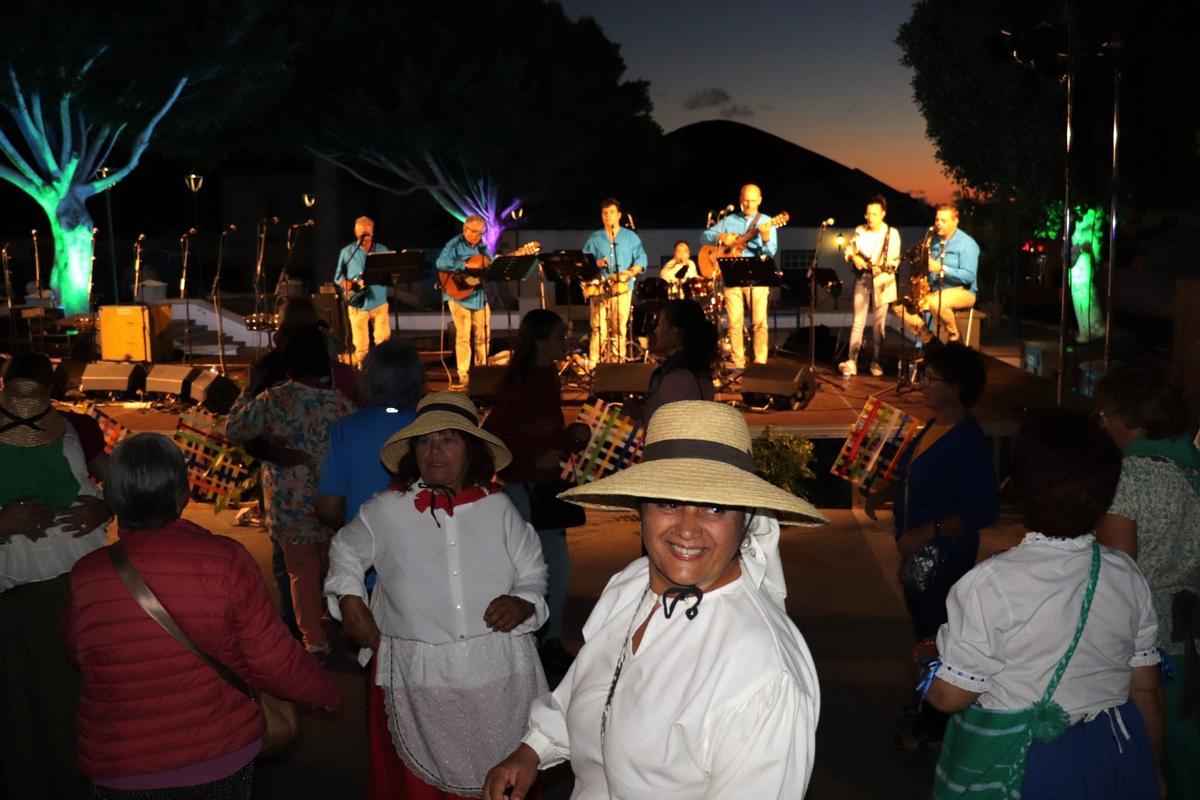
26 416
442 411
697 452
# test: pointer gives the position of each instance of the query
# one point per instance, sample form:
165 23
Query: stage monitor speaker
173 379
621 379
782 385
113 376
136 333
484 383
214 391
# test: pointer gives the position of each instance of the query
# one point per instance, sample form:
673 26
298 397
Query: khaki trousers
609 319
360 332
943 304
735 305
467 320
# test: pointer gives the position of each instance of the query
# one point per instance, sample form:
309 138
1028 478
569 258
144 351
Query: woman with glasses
946 494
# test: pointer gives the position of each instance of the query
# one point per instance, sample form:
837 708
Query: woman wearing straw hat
52 515
461 588
692 682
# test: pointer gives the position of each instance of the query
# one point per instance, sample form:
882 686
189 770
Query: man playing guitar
875 255
367 306
619 253
472 311
726 232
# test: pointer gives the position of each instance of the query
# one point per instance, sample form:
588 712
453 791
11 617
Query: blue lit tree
86 94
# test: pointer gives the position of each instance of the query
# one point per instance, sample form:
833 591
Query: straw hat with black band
698 452
441 411
26 416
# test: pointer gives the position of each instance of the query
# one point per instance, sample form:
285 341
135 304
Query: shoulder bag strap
1088 594
154 608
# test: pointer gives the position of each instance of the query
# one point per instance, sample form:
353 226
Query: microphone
828 223
4 250
141 237
709 223
306 224
229 229
270 220
188 233
33 233
632 227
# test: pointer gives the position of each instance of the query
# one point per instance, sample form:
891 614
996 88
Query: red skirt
389 778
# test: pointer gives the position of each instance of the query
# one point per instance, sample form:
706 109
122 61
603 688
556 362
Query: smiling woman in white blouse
692 682
1057 634
461 588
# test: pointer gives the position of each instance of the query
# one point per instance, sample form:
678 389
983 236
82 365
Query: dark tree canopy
997 118
512 91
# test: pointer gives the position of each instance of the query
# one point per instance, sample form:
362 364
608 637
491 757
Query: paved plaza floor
842 593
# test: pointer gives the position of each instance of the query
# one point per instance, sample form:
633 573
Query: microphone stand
282 282
812 300
137 290
216 298
185 246
12 319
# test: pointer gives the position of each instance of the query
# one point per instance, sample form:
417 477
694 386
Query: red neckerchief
432 498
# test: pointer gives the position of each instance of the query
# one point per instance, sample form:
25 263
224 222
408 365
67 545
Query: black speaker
214 391
613 380
113 376
782 385
173 379
484 383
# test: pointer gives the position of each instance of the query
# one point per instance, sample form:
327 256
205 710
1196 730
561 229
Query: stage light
310 200
841 240
193 181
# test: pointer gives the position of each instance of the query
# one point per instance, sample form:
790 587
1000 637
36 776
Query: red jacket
147 705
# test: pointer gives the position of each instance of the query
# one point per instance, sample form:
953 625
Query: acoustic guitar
462 284
709 253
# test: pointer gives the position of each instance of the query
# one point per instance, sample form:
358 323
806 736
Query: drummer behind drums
679 270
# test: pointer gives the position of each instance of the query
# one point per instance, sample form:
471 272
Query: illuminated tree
91 89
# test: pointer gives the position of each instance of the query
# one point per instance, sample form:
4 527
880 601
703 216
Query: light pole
102 173
194 183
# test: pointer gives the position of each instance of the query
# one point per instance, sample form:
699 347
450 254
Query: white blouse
1012 617
436 582
723 705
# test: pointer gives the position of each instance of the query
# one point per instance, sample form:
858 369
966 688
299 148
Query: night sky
826 76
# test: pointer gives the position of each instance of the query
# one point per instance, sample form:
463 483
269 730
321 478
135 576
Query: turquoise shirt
960 260
737 224
350 265
622 253
454 259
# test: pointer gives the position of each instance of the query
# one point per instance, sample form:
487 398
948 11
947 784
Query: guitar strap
883 249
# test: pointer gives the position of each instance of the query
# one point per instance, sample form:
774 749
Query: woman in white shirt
692 682
461 589
1011 620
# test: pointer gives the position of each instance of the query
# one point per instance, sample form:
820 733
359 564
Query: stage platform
832 411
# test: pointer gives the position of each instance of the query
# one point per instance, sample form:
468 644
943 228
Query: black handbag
547 512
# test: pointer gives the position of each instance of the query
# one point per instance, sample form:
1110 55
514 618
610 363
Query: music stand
392 267
569 266
504 269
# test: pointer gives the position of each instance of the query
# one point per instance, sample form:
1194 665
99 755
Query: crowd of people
436 537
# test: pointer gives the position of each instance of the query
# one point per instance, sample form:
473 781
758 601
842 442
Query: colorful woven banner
616 443
113 431
877 441
217 468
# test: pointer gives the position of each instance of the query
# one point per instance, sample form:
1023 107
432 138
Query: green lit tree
87 93
989 78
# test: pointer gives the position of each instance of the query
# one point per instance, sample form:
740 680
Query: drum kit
653 294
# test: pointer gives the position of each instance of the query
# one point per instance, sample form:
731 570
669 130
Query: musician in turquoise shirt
472 316
370 308
620 254
953 265
764 244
